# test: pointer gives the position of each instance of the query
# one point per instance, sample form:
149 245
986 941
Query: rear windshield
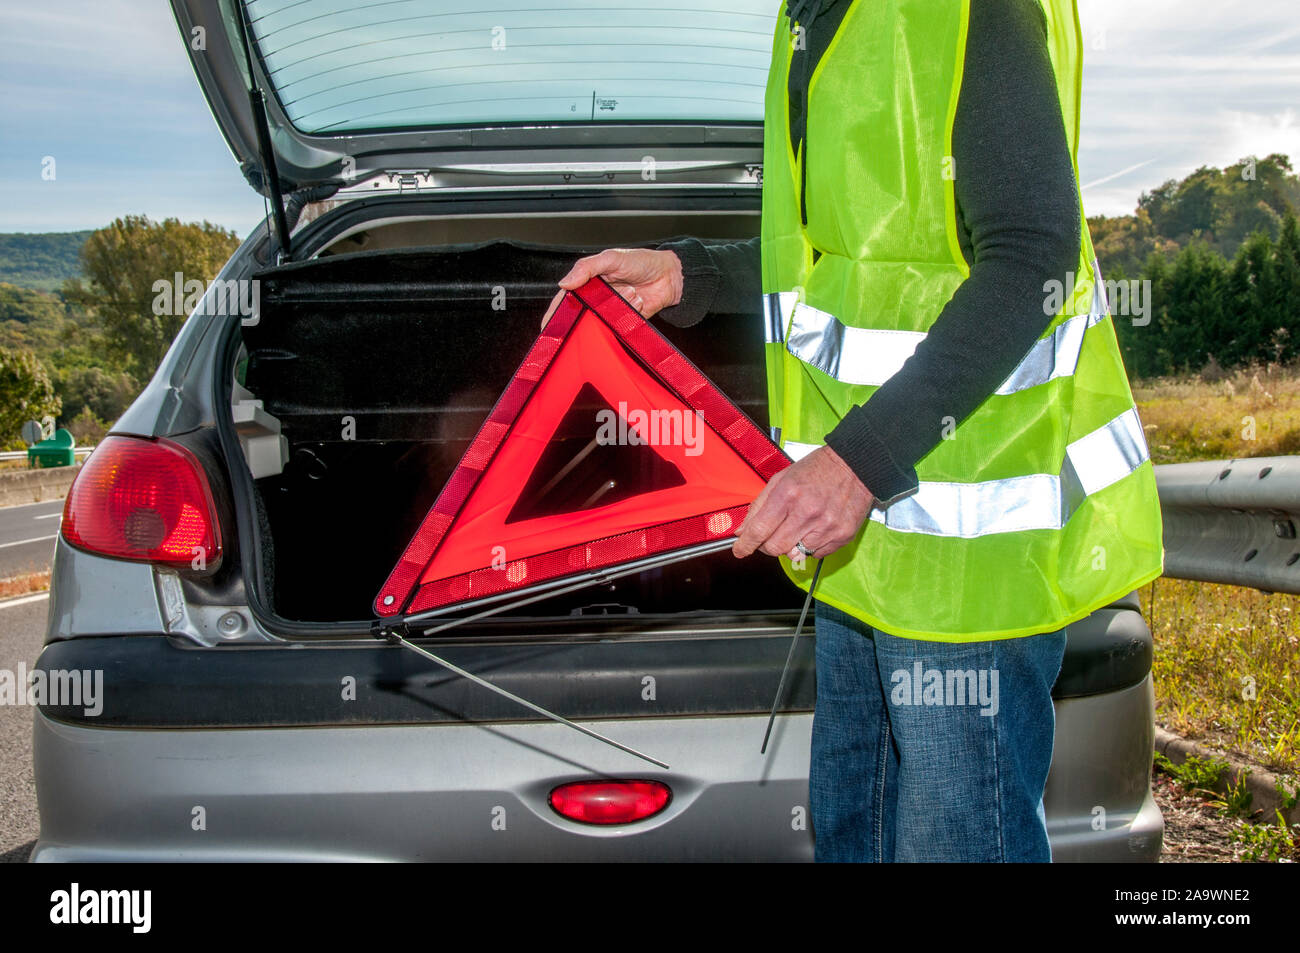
347 65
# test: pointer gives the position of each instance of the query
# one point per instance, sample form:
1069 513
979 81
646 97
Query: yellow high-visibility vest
1041 506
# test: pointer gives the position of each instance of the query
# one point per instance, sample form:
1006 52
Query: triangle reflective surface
607 446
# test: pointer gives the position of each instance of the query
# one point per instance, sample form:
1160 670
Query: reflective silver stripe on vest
850 355
776 306
869 357
1058 355
1052 357
1038 501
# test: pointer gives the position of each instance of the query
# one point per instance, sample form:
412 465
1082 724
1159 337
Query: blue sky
104 87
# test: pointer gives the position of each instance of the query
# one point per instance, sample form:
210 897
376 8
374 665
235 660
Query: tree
103 393
1222 207
123 262
27 306
1193 305
1125 241
1183 209
1287 274
1144 348
26 393
1252 285
86 428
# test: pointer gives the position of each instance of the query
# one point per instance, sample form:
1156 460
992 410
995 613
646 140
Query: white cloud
129 39
1190 83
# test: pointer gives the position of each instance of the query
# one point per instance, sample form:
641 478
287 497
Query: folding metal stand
396 631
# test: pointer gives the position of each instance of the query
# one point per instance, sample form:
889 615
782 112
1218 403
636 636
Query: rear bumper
415 793
1098 799
478 792
1136 838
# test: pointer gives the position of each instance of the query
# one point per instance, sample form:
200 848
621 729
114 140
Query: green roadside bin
59 451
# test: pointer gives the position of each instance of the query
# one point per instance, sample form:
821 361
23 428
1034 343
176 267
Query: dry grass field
1253 412
1227 665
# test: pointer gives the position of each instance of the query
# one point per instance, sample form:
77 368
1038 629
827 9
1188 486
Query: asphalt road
27 537
26 545
22 628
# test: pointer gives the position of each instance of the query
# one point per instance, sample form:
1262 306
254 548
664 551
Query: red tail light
610 802
146 500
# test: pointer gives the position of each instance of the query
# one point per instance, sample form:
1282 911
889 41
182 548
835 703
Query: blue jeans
930 751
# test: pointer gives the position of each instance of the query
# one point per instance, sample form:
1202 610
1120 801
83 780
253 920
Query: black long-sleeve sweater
1018 217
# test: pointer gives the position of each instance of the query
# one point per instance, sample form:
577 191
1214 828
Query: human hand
648 279
818 501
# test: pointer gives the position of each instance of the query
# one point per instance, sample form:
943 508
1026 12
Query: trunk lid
392 95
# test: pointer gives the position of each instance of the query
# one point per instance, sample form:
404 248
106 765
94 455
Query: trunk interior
380 366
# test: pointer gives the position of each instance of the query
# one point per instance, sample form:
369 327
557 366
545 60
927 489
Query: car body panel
192 672
445 792
94 595
1098 799
478 792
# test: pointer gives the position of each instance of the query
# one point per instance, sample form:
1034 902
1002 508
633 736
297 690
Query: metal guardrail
1233 521
22 454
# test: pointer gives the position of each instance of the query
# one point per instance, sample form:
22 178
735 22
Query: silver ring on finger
802 548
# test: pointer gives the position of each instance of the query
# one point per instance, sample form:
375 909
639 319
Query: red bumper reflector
146 500
607 446
610 802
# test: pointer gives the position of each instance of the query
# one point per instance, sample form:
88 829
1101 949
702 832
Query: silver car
430 177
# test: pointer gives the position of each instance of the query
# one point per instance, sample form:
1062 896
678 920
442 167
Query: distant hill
1222 208
40 261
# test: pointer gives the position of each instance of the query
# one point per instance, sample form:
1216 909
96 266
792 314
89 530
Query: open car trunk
380 368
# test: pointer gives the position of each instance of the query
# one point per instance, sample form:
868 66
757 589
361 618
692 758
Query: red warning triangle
607 446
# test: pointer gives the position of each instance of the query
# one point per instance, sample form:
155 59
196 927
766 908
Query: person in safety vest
943 369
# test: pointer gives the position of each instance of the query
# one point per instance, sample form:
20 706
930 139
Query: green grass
1255 839
1197 775
1271 842
1227 668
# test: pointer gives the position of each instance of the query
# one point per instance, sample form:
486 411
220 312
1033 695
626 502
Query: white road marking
23 600
24 542
49 516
